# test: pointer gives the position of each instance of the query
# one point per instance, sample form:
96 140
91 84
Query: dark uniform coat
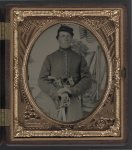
65 63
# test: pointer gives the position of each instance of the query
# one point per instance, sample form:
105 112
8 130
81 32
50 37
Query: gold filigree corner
19 130
114 16
114 130
18 16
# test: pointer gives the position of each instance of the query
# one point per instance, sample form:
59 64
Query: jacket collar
65 49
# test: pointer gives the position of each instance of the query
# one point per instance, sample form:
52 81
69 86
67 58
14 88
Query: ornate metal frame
107 122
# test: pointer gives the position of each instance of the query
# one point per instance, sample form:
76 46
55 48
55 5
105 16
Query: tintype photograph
67 72
66 80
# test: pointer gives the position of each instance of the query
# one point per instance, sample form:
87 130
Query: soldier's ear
57 36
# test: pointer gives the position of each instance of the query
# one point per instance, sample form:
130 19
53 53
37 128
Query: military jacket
65 63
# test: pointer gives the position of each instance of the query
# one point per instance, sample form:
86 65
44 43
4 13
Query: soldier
64 77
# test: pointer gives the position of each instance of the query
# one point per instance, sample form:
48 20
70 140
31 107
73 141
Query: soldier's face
64 39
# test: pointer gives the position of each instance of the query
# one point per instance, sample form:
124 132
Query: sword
63 103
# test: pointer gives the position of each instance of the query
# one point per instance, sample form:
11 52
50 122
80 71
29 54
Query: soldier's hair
66 29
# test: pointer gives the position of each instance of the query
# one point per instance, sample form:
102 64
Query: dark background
64 3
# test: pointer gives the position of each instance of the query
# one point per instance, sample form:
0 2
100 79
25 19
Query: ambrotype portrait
66 74
69 83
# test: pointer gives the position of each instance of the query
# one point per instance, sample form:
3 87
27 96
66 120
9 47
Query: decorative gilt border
18 15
